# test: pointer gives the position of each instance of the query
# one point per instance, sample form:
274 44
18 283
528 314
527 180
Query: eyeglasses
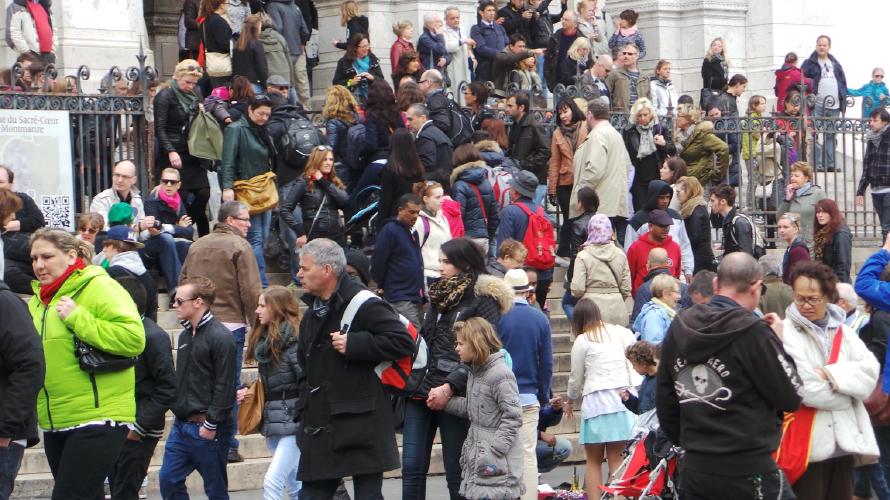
170 182
280 87
242 219
813 301
122 176
179 300
89 230
628 53
192 67
879 76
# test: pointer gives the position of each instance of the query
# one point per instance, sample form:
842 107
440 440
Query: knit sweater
525 333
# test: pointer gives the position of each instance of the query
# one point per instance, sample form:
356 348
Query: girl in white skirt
600 372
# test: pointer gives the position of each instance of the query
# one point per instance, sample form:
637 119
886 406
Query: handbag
250 411
793 455
205 137
218 64
93 360
259 193
877 404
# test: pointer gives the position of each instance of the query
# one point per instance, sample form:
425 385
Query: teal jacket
870 90
245 155
105 318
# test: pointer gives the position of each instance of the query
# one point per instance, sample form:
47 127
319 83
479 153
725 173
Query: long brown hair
313 164
828 206
281 307
208 7
588 320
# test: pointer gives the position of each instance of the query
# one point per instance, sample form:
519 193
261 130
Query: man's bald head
603 66
123 176
658 258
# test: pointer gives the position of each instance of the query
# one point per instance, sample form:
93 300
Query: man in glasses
205 393
226 255
723 379
17 237
123 190
624 82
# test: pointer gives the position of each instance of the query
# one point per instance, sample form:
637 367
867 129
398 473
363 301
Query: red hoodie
787 77
639 252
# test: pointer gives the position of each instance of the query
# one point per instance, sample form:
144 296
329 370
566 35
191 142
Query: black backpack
300 139
460 123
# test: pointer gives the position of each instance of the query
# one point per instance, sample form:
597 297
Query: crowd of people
463 252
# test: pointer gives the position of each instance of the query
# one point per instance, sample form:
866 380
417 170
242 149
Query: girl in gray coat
491 457
273 345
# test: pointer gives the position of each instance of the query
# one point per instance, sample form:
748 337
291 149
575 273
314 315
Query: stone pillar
162 23
99 34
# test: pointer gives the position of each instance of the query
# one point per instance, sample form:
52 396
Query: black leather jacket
302 204
171 122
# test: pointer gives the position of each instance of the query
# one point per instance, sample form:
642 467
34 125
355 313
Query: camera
157 224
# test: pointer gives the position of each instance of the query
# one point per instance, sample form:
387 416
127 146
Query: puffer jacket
277 55
488 298
490 152
302 205
495 414
281 388
663 95
245 155
601 365
876 165
562 154
699 151
475 174
105 318
842 425
837 253
602 275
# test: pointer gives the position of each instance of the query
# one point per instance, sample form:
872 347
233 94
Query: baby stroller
363 215
650 468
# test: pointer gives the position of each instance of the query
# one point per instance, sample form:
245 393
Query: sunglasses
879 76
89 230
180 301
170 182
324 148
628 53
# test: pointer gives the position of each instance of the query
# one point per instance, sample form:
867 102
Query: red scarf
41 22
172 201
49 291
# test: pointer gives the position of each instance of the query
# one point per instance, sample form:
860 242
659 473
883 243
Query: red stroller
646 472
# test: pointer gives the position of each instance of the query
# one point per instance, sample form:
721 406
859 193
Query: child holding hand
644 358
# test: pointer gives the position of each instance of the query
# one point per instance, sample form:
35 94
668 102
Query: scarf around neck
570 132
49 291
263 350
807 186
671 312
185 99
628 31
42 25
447 293
647 139
875 137
171 201
687 207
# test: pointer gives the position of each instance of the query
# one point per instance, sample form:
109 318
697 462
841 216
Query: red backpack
539 240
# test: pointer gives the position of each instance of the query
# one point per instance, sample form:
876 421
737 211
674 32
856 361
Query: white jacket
602 365
842 425
663 96
440 232
458 70
103 201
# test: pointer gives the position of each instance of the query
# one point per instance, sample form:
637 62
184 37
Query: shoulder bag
250 411
218 64
259 193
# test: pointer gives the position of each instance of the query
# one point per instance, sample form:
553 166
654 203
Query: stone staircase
34 478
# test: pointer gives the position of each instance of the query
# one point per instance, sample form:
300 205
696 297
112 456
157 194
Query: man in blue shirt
396 265
869 285
525 333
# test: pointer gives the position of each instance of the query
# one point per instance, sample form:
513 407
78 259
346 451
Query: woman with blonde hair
699 146
319 194
354 23
797 251
714 70
579 56
647 143
404 32
600 372
340 112
173 108
694 211
432 227
601 272
525 77
801 196
273 346
595 24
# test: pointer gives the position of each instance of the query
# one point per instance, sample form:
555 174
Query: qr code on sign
56 210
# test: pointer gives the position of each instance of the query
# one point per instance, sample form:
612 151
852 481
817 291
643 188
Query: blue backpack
354 157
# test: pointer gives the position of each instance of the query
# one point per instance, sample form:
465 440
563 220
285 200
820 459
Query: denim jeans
568 304
256 236
871 477
239 334
169 254
185 452
549 457
10 461
881 203
540 194
289 236
281 476
539 67
417 444
828 140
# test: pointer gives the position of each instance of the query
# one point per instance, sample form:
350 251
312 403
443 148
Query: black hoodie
656 188
723 383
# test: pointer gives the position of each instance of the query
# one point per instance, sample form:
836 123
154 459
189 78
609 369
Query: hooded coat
480 221
789 77
639 224
602 275
699 151
278 56
130 264
723 382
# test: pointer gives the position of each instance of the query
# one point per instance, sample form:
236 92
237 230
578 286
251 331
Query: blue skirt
608 428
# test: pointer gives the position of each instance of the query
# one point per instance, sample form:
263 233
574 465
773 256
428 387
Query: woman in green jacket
801 195
83 415
706 156
247 153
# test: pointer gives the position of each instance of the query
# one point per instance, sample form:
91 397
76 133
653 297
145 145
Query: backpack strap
426 230
750 223
524 208
358 300
475 189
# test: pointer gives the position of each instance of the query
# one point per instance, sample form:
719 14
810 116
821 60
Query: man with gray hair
432 85
777 295
724 377
226 255
346 419
431 44
596 76
848 301
460 48
433 146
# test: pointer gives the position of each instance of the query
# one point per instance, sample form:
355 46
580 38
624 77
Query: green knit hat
121 214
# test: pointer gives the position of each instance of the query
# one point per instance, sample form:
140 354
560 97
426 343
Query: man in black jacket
17 237
346 421
22 369
738 233
205 395
723 383
155 394
517 18
528 142
433 146
432 83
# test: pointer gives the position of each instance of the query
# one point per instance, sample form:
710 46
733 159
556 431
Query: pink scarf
628 31
172 201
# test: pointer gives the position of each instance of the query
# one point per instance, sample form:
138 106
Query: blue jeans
568 304
10 461
417 445
881 203
540 194
828 139
185 452
256 236
169 254
549 457
239 335
539 67
873 477
281 476
289 236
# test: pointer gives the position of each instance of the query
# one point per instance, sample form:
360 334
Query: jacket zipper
49 413
95 390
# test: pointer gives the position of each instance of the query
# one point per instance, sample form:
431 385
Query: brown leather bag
259 193
878 405
250 411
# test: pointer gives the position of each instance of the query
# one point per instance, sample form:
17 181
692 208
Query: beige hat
517 279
